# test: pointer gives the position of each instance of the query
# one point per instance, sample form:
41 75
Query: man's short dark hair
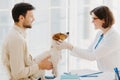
21 9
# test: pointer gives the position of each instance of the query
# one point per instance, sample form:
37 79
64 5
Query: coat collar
109 32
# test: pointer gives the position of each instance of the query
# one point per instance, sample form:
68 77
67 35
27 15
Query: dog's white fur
55 58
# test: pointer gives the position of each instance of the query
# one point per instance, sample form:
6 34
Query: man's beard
27 26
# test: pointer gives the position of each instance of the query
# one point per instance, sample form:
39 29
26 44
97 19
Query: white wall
53 16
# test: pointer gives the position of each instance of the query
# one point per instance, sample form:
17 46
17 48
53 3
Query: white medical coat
107 53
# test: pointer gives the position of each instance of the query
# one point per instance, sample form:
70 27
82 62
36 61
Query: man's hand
45 64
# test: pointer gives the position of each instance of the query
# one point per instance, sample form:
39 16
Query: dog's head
60 36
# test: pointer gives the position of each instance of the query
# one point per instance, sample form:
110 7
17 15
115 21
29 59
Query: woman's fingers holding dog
59 45
58 42
64 45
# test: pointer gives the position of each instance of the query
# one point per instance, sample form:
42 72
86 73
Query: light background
53 16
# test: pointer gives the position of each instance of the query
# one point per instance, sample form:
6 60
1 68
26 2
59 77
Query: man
16 57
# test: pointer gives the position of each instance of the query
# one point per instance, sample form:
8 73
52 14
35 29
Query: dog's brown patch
60 36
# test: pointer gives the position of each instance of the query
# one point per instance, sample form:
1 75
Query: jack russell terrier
54 53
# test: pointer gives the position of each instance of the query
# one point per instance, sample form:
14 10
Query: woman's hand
63 45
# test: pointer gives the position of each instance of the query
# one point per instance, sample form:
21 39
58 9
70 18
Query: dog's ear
55 37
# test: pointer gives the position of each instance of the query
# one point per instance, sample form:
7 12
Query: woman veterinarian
106 47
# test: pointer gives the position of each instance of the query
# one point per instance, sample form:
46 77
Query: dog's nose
67 33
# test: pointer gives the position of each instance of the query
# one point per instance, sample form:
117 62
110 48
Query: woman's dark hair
21 9
103 12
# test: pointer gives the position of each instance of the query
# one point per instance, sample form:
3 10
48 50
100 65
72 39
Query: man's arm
18 52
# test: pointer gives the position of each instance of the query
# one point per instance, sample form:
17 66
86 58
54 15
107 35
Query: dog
54 53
